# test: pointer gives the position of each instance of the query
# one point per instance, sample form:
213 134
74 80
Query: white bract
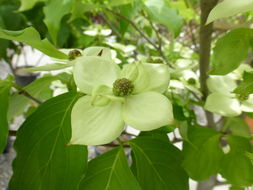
223 101
115 97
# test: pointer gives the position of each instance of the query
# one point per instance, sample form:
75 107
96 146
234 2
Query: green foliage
202 153
109 171
237 126
53 15
5 86
39 89
229 8
230 51
31 37
236 162
246 86
160 12
44 161
157 164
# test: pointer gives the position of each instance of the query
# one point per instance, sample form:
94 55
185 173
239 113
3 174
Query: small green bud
191 81
122 87
243 97
73 54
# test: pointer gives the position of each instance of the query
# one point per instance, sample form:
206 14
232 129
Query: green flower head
116 97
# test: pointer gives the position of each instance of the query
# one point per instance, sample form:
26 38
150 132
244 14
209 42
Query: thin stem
25 93
141 33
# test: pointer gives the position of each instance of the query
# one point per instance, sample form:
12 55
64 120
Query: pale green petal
95 125
222 104
247 106
147 111
96 50
222 84
159 77
138 74
92 71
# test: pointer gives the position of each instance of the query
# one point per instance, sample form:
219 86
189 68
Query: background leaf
246 86
230 51
202 153
31 37
157 164
236 166
54 15
43 160
161 12
109 171
229 8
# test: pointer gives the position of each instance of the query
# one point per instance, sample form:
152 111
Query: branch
141 33
25 93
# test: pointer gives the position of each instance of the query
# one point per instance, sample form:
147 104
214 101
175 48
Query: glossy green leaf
229 8
230 51
246 86
26 5
159 11
5 87
157 164
236 166
31 37
202 153
44 161
54 12
110 171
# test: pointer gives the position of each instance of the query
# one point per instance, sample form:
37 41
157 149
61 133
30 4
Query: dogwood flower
116 97
223 101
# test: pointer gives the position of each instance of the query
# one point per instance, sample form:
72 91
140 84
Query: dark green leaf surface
157 165
246 86
4 102
236 167
44 161
110 171
202 153
230 51
31 37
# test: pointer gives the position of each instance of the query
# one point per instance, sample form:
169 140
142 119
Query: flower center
74 54
243 97
191 81
122 87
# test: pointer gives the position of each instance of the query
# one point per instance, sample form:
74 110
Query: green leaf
5 87
250 156
31 37
157 165
48 67
236 166
202 153
109 171
159 11
44 161
237 126
229 8
26 5
54 15
39 89
80 7
246 86
230 51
